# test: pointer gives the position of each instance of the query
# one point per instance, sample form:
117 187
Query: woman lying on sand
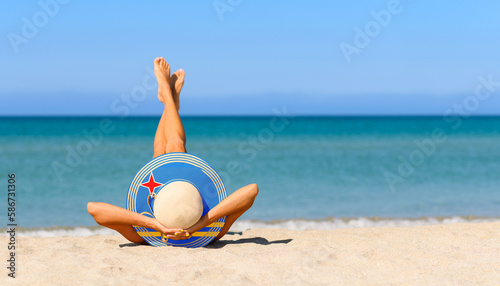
170 137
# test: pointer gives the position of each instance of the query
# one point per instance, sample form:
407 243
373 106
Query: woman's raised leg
170 126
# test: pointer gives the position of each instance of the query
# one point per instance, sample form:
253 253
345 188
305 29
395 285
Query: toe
180 74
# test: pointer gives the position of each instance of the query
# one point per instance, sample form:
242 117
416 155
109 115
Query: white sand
458 254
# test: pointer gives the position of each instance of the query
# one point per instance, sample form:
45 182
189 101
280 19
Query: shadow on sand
221 243
254 240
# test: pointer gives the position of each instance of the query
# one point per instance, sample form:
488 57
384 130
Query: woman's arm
232 207
122 220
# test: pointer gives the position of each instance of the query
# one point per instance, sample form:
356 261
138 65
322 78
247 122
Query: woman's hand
178 235
172 233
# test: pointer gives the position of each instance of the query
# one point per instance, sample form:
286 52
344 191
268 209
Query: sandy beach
456 254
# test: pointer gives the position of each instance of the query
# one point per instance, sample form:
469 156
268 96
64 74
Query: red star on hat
152 184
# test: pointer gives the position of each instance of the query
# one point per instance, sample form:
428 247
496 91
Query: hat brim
168 168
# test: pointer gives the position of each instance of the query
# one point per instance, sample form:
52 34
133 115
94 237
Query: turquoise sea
313 172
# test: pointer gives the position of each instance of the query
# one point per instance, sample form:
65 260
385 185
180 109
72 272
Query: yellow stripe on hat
205 233
216 224
157 233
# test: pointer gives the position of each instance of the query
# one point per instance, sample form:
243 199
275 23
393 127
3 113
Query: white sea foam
293 224
66 231
342 223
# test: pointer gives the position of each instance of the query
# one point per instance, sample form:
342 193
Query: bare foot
162 72
177 82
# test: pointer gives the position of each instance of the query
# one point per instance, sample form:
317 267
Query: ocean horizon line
433 116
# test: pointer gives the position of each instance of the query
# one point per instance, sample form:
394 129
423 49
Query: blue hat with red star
169 168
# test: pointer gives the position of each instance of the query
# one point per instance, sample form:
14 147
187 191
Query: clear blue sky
250 58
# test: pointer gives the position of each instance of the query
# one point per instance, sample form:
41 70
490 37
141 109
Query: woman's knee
251 193
254 190
93 208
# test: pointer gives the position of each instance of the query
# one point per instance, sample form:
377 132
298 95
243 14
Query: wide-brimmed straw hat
169 171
